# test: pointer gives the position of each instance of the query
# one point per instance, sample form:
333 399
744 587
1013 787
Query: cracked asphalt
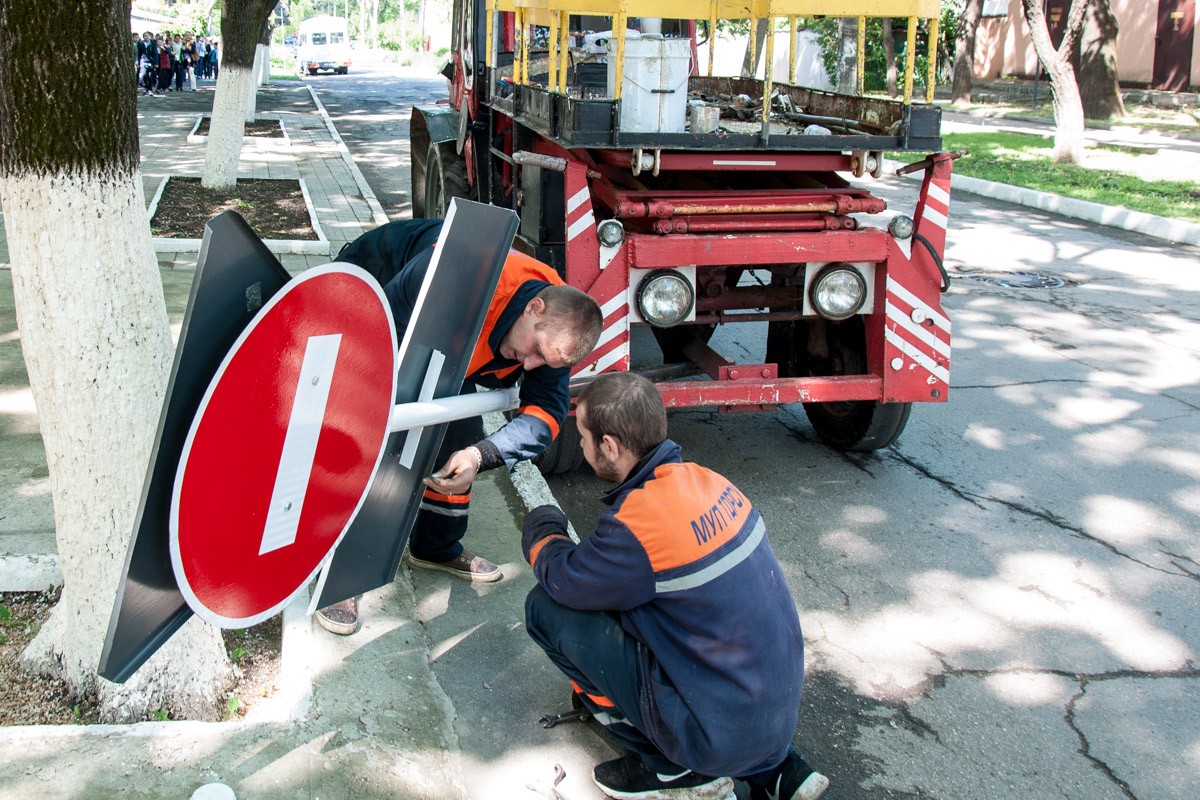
1005 603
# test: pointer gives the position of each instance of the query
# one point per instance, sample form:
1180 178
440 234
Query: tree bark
847 77
1098 85
889 54
964 52
94 334
1068 108
241 30
754 52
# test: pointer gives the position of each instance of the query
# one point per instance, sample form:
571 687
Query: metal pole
449 409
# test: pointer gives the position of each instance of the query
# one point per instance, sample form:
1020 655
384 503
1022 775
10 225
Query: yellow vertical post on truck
656 189
555 16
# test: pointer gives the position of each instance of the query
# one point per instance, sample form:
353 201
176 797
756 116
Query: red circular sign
284 446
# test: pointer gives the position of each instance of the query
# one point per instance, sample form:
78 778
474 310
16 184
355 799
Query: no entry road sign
284 446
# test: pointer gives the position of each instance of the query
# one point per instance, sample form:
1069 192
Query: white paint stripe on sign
437 359
300 441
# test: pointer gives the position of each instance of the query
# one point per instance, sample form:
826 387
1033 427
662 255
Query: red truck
680 227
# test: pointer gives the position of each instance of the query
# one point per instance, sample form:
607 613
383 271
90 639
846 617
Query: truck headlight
838 292
665 298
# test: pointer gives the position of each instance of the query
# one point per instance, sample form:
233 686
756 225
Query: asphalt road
1004 604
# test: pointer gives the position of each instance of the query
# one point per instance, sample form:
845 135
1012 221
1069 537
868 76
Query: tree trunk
241 30
754 49
964 53
1098 86
94 334
847 77
1068 109
889 55
375 24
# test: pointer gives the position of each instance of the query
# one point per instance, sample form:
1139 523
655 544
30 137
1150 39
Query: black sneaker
796 781
629 779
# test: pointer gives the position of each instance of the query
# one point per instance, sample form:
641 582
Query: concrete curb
529 482
378 215
202 138
304 247
29 573
1171 230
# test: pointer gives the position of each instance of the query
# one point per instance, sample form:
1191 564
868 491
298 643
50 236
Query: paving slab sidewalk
436 697
355 717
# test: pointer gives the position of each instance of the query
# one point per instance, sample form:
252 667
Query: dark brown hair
627 407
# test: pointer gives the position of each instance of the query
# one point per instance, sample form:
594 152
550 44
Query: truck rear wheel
857 425
445 179
564 454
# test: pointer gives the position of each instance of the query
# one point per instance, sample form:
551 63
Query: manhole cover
1021 280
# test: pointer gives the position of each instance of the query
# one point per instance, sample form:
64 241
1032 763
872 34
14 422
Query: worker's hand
456 475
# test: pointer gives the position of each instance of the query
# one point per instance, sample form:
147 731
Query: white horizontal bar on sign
422 414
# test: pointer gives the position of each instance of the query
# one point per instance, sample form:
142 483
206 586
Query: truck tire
445 179
855 425
564 454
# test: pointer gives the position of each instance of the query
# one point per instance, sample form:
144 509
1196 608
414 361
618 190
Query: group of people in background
163 58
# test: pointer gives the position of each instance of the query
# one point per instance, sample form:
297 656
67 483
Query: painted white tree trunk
1068 115
264 64
228 124
1068 107
97 348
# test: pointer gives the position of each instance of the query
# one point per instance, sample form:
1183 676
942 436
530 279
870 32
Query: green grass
1022 159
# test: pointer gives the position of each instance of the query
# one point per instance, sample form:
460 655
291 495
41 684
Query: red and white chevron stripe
918 331
611 353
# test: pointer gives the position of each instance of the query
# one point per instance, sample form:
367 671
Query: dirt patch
263 128
27 699
274 209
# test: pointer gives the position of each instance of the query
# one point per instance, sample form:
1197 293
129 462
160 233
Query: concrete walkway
355 717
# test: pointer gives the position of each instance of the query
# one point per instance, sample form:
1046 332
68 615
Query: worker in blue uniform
535 329
672 619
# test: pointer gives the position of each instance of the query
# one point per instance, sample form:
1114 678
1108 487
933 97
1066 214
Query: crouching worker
672 620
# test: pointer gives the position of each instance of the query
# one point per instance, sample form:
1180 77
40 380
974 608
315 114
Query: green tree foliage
875 64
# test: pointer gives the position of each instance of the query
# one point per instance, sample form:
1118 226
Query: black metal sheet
235 275
449 316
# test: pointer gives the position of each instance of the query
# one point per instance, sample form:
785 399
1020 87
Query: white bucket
655 86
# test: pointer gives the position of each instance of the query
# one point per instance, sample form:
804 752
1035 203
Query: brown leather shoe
340 618
467 566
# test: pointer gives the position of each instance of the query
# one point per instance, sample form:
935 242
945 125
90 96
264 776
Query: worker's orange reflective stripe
550 421
598 699
537 548
460 499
